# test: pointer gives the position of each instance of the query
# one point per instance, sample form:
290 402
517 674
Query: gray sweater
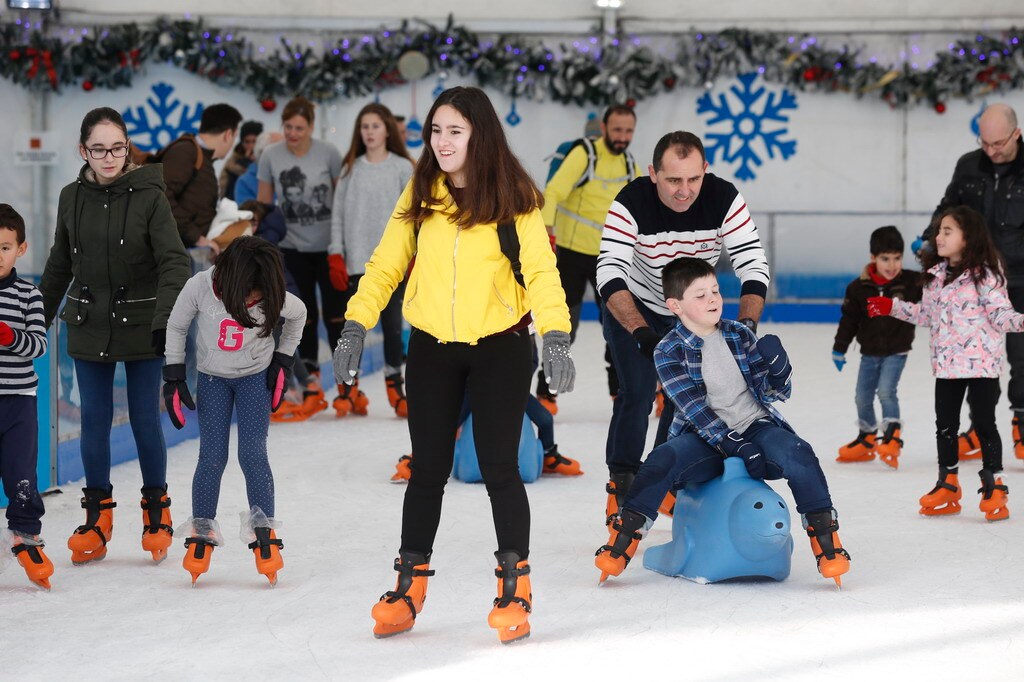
224 348
363 203
728 394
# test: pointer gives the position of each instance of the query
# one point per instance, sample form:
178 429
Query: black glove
176 394
646 339
279 375
733 445
775 355
159 341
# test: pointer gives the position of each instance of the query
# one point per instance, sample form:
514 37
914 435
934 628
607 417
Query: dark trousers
627 432
1015 356
688 459
249 398
96 385
982 396
19 450
390 324
310 273
537 413
496 374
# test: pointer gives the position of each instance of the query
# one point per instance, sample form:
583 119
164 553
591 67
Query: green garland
590 71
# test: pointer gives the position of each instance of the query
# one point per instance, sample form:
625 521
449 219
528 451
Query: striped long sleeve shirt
21 308
641 236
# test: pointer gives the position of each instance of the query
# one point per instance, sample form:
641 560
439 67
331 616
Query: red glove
553 239
338 271
6 334
879 306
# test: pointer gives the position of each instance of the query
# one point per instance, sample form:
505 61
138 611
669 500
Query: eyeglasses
99 153
995 145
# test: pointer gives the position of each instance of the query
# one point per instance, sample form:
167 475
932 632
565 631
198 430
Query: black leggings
310 272
496 372
982 396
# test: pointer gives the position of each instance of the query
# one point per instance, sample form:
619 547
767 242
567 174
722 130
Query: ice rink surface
924 596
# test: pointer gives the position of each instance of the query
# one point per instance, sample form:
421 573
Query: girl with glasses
118 257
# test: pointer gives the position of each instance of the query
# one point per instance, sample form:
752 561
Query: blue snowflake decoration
755 123
154 135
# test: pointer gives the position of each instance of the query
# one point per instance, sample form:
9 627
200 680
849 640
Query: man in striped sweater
22 338
680 210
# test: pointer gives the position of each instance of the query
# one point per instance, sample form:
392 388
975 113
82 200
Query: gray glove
557 362
348 352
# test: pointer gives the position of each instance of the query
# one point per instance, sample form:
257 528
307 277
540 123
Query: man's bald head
998 133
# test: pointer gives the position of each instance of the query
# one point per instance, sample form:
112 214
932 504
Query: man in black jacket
991 181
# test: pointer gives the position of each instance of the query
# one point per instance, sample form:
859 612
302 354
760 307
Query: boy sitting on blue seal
722 380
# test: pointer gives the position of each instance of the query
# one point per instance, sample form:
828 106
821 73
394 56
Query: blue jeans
878 374
249 398
627 432
96 386
688 459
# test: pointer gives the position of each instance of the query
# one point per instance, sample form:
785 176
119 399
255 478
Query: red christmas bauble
811 74
268 104
88 86
670 83
940 108
14 55
630 102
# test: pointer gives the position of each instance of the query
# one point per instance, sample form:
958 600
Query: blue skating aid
729 527
467 468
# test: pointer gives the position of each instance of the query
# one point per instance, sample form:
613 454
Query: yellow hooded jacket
462 288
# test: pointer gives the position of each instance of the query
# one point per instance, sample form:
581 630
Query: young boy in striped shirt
22 338
722 380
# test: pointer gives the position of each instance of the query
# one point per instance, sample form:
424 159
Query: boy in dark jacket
884 344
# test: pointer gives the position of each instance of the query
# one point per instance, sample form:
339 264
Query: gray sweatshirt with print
224 348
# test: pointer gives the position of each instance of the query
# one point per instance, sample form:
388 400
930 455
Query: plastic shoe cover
254 518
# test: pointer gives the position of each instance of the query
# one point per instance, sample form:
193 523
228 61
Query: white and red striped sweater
642 235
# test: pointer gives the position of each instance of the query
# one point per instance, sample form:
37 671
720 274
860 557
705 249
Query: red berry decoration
940 108
631 103
670 83
812 74
88 86
268 104
14 55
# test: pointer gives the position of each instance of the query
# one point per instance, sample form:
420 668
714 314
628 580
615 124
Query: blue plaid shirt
678 362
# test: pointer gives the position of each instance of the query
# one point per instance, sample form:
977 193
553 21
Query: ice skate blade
1000 514
839 583
399 480
973 454
83 558
272 577
890 461
604 576
386 630
513 635
158 555
945 510
855 460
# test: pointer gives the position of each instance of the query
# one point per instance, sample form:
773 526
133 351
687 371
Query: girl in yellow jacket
470 332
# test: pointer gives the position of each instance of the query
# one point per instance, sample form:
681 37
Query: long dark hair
248 264
980 253
103 115
395 144
498 188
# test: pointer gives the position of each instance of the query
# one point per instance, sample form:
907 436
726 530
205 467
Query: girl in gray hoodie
237 306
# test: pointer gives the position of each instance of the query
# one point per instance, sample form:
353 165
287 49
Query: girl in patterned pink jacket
966 306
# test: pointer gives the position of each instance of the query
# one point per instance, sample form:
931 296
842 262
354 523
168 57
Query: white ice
925 597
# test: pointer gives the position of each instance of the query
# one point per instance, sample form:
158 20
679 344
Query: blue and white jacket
678 362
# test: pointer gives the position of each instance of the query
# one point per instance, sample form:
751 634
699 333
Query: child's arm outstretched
914 313
998 309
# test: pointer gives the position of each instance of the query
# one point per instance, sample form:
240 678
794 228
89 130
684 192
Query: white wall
852 155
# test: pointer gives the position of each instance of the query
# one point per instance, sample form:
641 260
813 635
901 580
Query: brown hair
980 253
299 106
498 188
681 142
395 143
248 264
